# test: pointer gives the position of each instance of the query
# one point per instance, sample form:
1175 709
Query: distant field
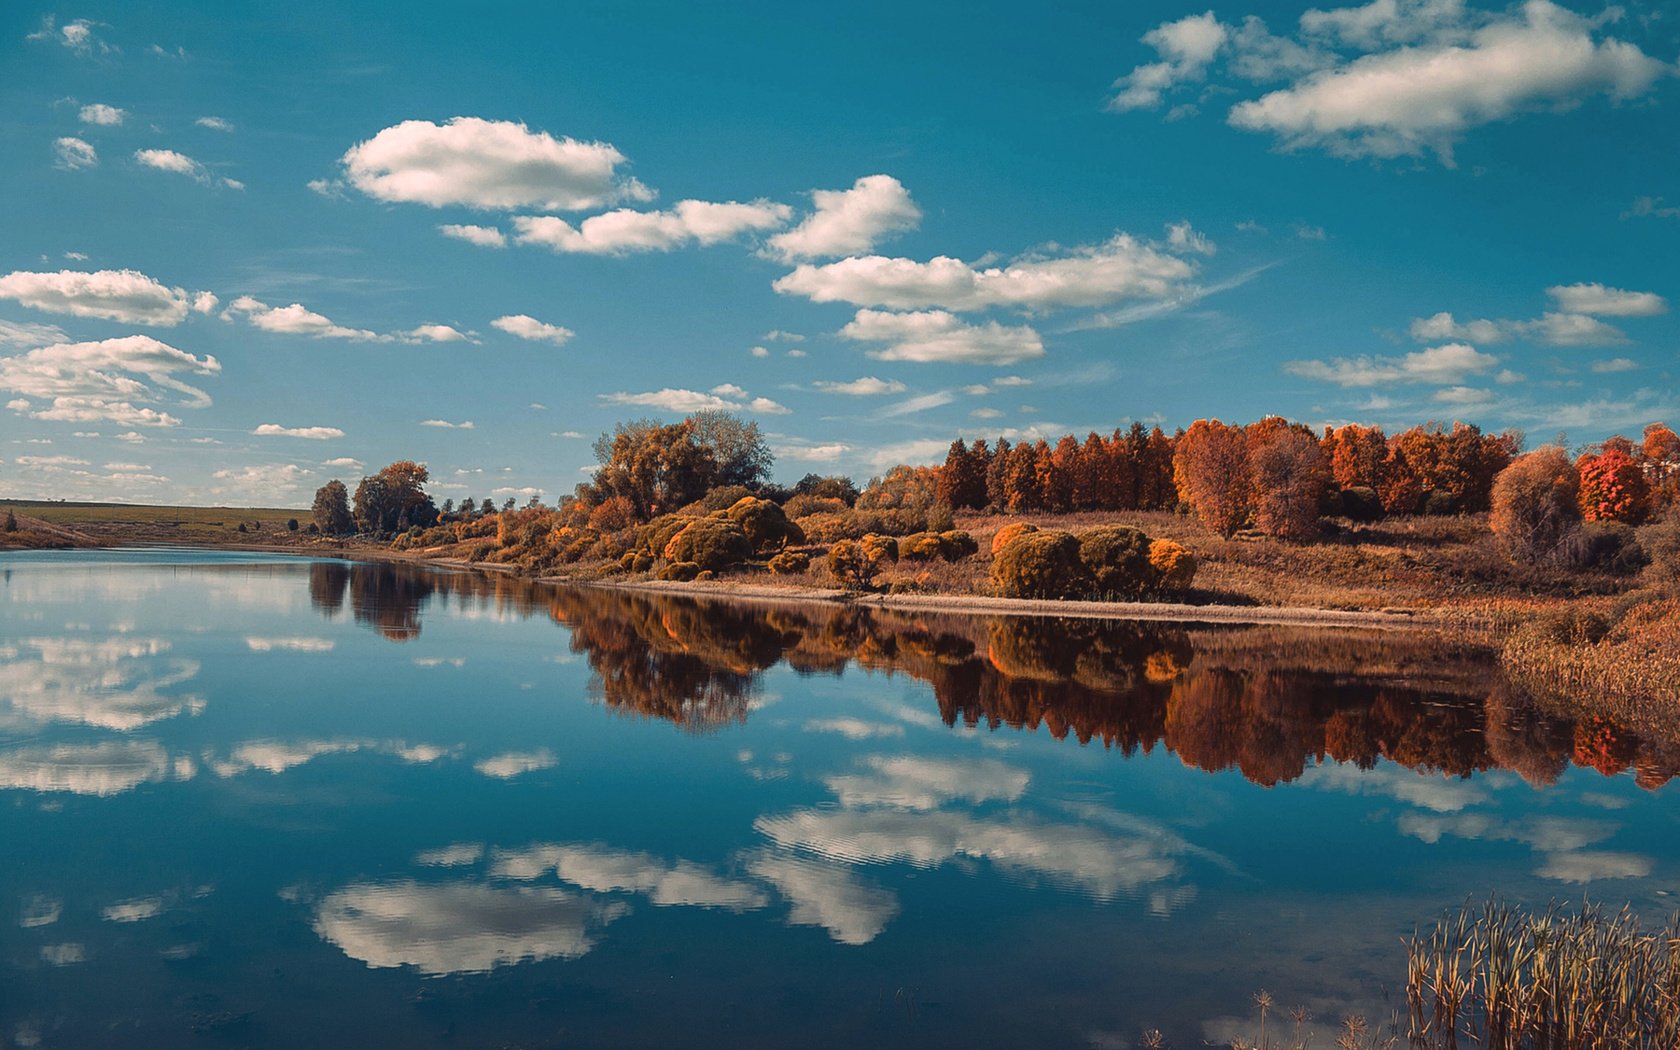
190 519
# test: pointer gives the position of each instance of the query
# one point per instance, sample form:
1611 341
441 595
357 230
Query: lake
265 801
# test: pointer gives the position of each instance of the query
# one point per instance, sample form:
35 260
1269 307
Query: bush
1439 503
958 544
710 543
830 527
765 524
1040 565
1535 514
704 575
851 566
921 546
723 499
613 515
643 562
1009 534
878 548
679 571
656 535
805 506
312 529
1612 547
1361 504
790 563
1661 541
291 524
1116 557
1174 565
628 561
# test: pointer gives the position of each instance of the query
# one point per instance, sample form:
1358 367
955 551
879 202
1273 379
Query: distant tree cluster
1129 470
657 468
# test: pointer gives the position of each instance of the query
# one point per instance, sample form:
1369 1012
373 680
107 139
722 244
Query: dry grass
119 525
1626 670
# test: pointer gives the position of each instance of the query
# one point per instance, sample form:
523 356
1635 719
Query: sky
248 248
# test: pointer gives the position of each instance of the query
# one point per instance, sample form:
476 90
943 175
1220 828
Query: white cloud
119 683
435 333
483 236
1405 101
101 114
1564 329
1463 397
1441 326
93 381
128 296
138 910
267 482
626 230
516 763
759 351
312 433
72 154
935 335
908 782
813 453
1383 22
289 644
293 320
1120 268
606 870
459 927
868 386
1601 301
849 222
491 164
1442 365
50 461
77 36
343 463
17 335
214 124
1615 364
527 327
686 401
101 769
1186 47
854 728
445 424
827 895
181 164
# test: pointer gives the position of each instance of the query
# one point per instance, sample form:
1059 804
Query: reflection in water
1267 701
116 683
460 927
90 769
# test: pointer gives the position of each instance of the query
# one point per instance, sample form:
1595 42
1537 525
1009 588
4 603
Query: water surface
257 801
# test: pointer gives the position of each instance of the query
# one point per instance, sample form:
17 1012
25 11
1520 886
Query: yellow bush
1175 565
1009 534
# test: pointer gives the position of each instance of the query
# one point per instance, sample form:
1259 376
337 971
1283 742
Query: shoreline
960 604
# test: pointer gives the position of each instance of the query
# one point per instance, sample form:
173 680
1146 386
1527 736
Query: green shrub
1009 534
1040 564
921 546
291 524
790 563
958 544
1438 503
655 536
1174 565
881 549
851 566
1116 557
1612 547
711 543
765 524
679 571
1361 504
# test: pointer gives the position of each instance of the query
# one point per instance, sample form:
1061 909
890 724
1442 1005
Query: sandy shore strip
974 604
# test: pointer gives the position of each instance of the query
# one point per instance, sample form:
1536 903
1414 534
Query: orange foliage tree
1210 469
1613 486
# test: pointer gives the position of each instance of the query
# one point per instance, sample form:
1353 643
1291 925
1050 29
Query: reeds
1504 979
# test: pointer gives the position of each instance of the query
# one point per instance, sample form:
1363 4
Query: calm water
249 801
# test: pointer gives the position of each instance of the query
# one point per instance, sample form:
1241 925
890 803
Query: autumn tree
997 474
1356 455
1613 485
1659 454
331 512
1536 513
1211 472
741 454
394 499
1287 467
962 480
658 468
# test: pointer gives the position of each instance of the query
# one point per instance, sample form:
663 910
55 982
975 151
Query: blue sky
248 248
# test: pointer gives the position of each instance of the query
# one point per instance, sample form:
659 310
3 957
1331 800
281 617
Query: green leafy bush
852 566
958 544
1040 564
1116 557
711 543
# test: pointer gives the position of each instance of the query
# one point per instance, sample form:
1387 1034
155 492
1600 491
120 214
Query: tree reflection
1267 702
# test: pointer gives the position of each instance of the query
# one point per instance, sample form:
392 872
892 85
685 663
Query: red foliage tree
1613 486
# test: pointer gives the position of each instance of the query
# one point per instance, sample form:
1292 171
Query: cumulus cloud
261 482
488 164
939 336
1186 48
444 424
105 380
113 295
626 230
483 236
1409 100
827 895
525 326
79 36
72 154
1601 301
516 763
727 397
849 222
459 927
1442 326
311 433
101 769
605 870
214 124
181 164
813 453
1121 268
116 683
101 114
292 320
1443 365
1567 329
867 386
